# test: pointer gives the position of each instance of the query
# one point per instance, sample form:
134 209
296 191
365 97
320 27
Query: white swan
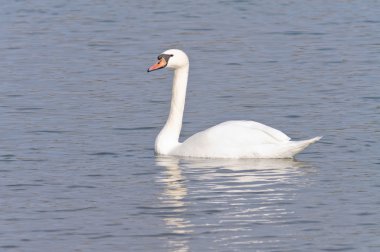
231 139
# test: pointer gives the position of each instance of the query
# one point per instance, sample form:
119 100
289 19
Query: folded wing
232 139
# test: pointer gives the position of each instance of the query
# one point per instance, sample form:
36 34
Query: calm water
79 115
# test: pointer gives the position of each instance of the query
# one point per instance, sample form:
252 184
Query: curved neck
169 135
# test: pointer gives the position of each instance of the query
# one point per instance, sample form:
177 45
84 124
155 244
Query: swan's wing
259 131
229 137
242 131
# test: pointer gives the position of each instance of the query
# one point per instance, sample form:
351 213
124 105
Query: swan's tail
299 146
288 149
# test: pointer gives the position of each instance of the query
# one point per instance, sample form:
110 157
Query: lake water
79 116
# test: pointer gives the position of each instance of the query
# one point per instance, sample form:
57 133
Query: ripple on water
29 109
7 158
49 132
136 128
104 154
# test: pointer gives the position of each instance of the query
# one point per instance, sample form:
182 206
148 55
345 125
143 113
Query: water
79 115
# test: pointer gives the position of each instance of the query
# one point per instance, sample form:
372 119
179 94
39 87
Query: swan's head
172 59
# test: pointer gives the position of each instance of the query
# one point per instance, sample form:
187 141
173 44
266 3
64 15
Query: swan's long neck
168 138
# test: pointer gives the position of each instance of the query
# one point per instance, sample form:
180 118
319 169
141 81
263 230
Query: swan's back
240 139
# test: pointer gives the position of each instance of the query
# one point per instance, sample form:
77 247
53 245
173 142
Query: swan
230 139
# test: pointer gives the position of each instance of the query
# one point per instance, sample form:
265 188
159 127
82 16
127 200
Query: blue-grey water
79 115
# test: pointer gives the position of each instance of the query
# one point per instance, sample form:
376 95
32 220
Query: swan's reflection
173 198
174 193
227 195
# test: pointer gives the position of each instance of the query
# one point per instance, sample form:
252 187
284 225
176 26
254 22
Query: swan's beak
160 64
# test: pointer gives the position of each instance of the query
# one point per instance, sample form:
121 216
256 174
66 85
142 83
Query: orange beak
160 64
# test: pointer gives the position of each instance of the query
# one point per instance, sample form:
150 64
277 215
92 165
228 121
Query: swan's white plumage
240 139
231 139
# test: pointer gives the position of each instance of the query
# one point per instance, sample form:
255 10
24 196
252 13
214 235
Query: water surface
79 115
